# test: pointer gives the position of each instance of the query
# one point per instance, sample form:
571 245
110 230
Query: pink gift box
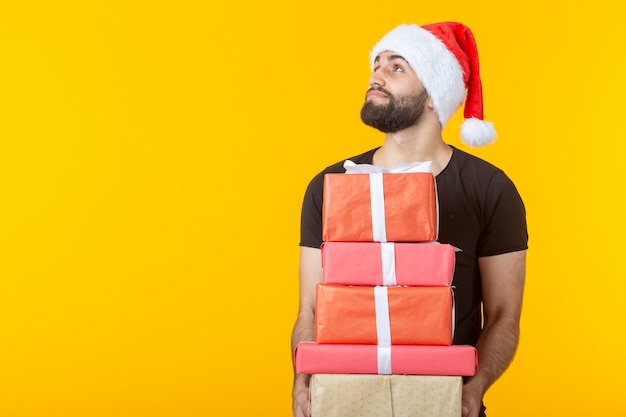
454 360
372 263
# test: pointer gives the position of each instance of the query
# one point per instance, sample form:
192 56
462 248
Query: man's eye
398 68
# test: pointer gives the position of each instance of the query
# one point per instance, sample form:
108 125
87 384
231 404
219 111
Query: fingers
302 410
302 407
470 409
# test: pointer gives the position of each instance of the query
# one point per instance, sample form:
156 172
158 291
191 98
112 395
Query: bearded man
420 77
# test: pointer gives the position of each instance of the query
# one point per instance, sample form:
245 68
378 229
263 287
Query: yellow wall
153 157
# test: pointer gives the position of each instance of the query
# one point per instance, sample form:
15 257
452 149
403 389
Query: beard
398 114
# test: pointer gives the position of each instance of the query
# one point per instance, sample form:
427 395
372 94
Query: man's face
396 98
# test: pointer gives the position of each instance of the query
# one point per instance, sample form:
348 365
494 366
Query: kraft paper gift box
385 395
380 207
375 315
372 263
317 358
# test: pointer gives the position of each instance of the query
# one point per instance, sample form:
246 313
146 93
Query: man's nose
376 79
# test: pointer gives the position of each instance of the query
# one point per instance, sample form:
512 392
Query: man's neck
415 144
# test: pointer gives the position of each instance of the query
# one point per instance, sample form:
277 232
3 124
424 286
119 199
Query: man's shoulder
363 158
471 169
477 173
317 182
465 160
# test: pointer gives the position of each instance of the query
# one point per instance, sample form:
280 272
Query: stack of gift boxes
384 319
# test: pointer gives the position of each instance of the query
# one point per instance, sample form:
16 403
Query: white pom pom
476 132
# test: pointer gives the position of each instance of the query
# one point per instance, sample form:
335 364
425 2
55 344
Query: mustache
382 90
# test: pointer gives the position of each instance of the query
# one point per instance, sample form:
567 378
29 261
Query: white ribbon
388 257
383 329
377 205
401 167
384 359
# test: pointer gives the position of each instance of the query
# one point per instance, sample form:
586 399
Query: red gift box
454 360
404 205
370 315
371 263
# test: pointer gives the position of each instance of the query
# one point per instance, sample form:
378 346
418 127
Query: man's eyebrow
391 58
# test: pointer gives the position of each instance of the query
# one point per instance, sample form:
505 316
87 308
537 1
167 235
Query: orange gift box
410 208
372 263
454 360
413 315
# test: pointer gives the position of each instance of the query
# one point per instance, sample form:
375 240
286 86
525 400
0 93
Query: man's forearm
302 330
503 279
496 349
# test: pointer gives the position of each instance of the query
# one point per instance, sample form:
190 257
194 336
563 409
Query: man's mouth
374 93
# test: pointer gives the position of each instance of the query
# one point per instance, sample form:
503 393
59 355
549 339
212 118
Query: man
420 76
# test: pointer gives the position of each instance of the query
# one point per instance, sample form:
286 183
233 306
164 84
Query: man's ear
430 103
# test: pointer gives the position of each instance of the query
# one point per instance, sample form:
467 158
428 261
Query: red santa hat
445 58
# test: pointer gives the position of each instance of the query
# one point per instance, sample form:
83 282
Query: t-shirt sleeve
311 217
505 219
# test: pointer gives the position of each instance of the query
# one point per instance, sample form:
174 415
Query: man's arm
503 287
303 330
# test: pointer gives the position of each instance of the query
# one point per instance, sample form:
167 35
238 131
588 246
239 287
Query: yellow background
153 158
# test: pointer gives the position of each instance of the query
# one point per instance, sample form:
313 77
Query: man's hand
472 400
301 404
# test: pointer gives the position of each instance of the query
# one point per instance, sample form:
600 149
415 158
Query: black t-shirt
480 212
